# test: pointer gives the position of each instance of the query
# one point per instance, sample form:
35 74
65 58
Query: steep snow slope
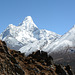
27 35
63 44
32 47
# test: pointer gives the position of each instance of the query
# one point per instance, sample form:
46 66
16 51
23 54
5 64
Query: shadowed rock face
38 63
64 59
8 64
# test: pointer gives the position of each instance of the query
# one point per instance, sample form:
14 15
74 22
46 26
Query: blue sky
54 15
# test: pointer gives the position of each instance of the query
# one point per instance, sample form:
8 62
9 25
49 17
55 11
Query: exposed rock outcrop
8 64
38 63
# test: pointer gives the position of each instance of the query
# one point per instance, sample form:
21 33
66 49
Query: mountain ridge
26 32
28 38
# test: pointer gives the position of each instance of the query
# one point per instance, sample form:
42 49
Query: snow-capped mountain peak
28 24
11 26
26 34
28 18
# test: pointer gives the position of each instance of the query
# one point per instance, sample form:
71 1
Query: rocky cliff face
38 63
8 64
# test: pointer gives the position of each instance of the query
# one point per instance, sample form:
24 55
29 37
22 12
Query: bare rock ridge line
38 63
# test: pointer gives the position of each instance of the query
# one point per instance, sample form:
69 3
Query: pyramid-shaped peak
28 18
11 26
28 24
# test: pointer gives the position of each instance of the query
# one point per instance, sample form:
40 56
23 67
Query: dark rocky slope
64 58
38 63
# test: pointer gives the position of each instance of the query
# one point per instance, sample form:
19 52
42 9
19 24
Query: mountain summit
27 34
28 24
28 38
28 18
